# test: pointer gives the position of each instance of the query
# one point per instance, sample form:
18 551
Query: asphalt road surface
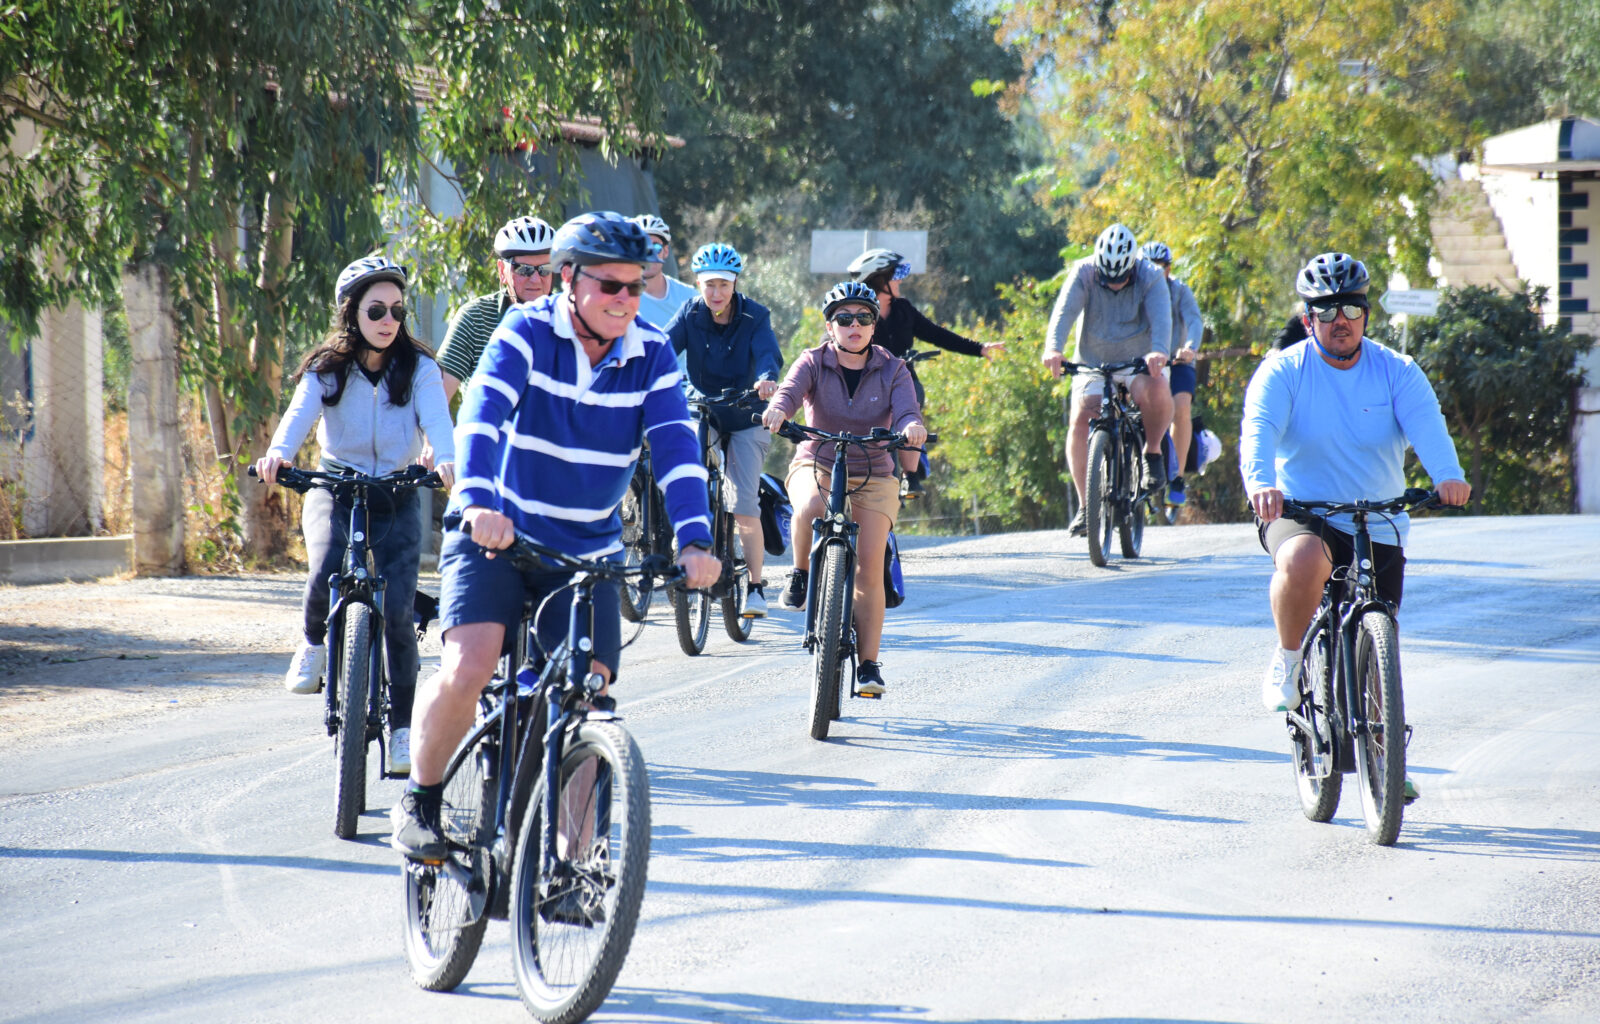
1070 807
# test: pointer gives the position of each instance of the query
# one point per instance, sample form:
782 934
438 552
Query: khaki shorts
881 495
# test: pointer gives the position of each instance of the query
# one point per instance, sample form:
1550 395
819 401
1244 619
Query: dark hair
343 344
879 282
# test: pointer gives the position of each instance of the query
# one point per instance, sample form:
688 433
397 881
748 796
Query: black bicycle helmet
601 237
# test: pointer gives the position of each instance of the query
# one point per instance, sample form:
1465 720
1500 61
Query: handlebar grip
755 418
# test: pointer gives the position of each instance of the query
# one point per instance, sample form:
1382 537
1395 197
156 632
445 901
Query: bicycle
358 672
830 635
646 531
546 817
691 609
1112 496
1351 715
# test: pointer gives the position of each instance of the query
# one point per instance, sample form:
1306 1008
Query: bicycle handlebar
889 439
739 398
303 480
918 355
1415 499
526 554
1136 366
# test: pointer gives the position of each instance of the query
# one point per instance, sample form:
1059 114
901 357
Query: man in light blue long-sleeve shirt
1329 419
1127 314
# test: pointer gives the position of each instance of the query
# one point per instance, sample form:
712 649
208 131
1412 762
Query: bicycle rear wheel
1381 749
1130 529
826 676
733 621
636 594
1319 784
570 929
1098 496
350 742
445 918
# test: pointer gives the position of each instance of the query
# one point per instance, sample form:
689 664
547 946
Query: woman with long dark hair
372 386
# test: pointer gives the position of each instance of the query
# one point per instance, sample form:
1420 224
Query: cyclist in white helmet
1329 419
522 261
1187 330
663 294
1127 314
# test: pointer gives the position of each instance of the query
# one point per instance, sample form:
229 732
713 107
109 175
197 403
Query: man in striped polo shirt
522 262
552 422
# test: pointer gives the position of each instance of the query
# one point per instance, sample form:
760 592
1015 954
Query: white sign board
832 251
1415 301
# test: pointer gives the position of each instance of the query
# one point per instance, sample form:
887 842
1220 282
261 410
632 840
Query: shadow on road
1003 741
1559 844
677 841
192 857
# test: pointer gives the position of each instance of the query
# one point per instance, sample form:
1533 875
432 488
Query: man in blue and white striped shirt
567 390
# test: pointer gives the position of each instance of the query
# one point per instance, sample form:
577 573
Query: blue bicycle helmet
848 291
718 258
601 237
365 271
1156 252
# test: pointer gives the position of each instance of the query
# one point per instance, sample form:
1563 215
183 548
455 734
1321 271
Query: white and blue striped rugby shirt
551 442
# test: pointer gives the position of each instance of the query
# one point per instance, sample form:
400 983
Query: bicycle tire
737 626
826 677
691 613
350 742
1130 529
1381 749
1319 797
443 929
1097 511
636 596
571 933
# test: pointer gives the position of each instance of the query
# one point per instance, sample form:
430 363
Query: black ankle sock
434 792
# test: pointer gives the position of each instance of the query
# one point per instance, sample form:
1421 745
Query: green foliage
1505 382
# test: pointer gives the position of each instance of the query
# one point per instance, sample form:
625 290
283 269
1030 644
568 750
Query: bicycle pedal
867 696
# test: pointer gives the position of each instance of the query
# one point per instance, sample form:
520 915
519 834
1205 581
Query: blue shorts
1182 377
476 588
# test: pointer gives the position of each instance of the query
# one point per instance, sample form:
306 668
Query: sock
433 794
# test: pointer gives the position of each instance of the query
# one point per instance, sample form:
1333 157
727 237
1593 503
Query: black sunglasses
610 287
377 310
846 319
524 270
1351 311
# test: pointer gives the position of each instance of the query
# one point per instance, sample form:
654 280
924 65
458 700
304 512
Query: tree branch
52 121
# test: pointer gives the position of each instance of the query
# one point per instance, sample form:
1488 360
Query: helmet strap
594 335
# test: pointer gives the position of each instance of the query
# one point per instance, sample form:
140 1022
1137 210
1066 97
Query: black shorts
1390 560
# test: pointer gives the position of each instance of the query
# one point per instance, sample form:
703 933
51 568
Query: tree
1247 134
1506 382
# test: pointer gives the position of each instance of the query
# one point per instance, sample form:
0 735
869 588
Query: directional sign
1415 301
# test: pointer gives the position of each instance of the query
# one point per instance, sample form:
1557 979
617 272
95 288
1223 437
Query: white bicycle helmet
1330 274
365 271
1156 252
653 225
1115 251
876 261
848 291
523 236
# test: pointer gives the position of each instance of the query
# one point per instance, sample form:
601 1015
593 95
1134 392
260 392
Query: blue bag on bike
777 515
894 581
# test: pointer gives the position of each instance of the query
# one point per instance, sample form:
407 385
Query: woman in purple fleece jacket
849 385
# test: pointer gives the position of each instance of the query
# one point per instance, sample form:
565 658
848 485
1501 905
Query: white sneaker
400 751
1280 689
755 604
305 671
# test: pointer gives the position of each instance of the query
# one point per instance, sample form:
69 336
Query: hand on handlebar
267 468
765 389
1052 362
916 435
1267 503
447 474
1155 361
703 568
489 528
772 419
1454 492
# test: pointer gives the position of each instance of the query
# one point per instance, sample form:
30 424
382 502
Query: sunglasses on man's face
378 310
610 287
1351 311
524 270
846 319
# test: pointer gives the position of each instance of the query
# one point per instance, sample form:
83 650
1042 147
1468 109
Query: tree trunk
155 444
263 513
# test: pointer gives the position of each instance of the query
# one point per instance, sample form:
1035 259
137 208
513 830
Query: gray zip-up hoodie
1117 325
364 431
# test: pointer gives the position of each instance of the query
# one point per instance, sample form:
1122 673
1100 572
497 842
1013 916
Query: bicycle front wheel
1316 778
350 743
1099 496
1381 748
571 927
1130 529
826 677
446 905
691 613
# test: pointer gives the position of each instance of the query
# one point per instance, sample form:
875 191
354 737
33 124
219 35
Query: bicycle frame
1124 421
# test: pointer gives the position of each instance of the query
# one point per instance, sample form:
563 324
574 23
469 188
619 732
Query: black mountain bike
358 669
1112 496
547 818
1351 716
691 609
646 531
830 590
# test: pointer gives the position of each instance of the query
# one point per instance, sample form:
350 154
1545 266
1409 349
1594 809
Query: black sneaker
1155 472
794 595
575 906
869 679
1079 526
415 820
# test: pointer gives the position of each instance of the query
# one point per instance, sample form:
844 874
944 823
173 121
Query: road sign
1415 301
832 251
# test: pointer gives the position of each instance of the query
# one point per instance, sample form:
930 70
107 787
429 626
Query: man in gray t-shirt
1127 314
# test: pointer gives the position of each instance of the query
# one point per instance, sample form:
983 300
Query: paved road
1069 808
